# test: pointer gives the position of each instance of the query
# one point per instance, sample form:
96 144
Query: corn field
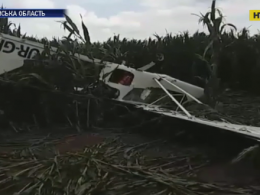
56 140
238 54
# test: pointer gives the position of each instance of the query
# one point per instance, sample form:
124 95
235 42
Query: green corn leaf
85 31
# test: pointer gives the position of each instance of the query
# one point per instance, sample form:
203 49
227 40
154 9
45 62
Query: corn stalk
216 27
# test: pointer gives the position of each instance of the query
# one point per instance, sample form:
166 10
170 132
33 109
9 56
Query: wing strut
183 91
173 98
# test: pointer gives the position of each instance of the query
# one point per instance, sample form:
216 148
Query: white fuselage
145 80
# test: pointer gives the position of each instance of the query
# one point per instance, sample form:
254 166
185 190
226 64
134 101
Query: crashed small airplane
134 86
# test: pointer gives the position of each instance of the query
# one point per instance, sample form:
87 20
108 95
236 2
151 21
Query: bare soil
194 161
193 164
222 171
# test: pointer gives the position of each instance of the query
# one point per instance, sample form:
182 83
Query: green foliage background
239 54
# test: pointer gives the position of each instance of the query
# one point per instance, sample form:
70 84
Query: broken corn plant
108 167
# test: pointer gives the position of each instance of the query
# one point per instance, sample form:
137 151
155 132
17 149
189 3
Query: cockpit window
121 77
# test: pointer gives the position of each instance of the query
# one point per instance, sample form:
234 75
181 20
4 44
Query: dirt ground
241 106
192 161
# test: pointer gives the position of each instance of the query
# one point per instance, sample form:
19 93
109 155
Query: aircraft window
121 77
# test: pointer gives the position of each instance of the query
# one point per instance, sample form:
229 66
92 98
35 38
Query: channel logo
254 15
